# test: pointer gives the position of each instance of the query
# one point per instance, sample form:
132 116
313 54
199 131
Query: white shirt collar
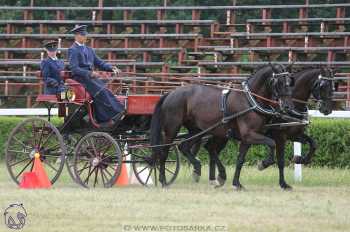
54 58
79 44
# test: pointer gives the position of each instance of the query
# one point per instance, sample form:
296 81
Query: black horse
197 107
318 82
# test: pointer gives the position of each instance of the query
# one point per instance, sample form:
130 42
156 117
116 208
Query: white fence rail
54 111
27 112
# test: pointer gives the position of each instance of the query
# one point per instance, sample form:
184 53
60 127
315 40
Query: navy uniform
82 61
50 69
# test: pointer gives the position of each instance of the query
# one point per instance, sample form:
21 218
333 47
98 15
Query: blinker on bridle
316 91
276 76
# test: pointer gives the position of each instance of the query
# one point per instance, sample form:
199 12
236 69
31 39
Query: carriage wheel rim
97 165
154 169
70 153
36 145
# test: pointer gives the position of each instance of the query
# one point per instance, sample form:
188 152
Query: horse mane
256 69
302 70
306 68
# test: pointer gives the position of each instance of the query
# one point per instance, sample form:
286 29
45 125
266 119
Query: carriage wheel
146 169
35 135
71 141
97 160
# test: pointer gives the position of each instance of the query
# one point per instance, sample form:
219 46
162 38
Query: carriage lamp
70 95
67 94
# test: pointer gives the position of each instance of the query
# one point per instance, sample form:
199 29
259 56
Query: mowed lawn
320 203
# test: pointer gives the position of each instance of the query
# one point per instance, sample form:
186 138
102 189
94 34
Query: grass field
320 203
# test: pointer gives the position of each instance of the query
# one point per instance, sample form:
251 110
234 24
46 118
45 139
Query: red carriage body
135 104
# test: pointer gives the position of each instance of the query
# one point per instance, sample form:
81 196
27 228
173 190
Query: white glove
116 70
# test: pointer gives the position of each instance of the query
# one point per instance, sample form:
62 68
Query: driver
82 62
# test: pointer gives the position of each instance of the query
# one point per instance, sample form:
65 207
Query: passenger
51 68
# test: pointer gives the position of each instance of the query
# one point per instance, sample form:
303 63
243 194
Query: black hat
79 29
51 45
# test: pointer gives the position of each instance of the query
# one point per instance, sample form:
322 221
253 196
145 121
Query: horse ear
272 67
273 81
322 71
289 67
292 80
335 86
335 70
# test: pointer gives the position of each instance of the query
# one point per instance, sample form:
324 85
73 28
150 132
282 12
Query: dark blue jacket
82 61
50 70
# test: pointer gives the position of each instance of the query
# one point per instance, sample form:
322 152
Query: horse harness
254 105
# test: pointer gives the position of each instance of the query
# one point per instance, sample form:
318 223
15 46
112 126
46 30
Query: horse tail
156 126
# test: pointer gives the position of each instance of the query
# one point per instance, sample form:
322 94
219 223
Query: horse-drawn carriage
94 154
261 112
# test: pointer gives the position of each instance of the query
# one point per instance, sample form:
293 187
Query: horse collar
254 103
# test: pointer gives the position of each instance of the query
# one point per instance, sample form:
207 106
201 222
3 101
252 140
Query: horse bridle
316 88
274 79
254 103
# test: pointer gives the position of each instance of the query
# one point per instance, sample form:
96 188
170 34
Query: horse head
323 90
280 84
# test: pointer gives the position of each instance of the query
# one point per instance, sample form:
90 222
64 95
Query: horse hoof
195 177
287 187
219 182
238 188
261 165
212 182
297 159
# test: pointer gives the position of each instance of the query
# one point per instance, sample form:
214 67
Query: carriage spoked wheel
71 141
146 169
97 160
30 137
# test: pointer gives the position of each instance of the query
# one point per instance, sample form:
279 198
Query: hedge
6 126
331 135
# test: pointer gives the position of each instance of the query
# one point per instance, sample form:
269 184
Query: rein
212 83
170 76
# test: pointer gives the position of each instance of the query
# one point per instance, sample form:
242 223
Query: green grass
320 203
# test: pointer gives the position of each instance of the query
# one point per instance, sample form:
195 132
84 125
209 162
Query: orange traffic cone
38 177
123 178
29 180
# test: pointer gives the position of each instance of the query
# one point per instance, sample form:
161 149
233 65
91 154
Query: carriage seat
81 95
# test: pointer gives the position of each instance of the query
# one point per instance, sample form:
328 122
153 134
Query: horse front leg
243 148
248 139
280 148
312 148
267 162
